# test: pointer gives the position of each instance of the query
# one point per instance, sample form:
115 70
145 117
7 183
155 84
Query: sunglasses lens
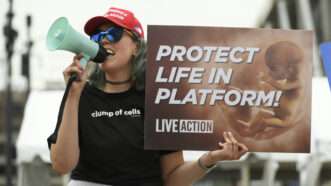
113 34
95 37
110 38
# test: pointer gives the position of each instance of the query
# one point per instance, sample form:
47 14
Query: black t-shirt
111 140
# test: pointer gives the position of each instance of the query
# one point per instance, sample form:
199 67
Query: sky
47 67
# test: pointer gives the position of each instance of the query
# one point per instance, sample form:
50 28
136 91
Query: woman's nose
104 41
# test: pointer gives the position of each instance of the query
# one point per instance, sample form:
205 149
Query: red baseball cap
121 17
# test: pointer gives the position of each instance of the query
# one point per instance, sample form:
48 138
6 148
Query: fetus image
284 62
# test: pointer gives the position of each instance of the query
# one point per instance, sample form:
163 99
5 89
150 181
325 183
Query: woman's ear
136 49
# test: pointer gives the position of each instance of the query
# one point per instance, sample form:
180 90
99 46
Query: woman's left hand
231 149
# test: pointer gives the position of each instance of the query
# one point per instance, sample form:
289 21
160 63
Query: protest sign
202 81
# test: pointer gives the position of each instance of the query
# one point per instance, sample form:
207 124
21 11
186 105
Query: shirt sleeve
53 137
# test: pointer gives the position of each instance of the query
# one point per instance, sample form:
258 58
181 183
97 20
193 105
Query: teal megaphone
61 36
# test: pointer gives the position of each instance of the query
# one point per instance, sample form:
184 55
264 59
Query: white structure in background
47 67
38 122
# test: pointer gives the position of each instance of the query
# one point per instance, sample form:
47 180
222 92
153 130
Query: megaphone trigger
83 61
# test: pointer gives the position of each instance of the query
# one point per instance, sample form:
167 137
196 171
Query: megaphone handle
83 61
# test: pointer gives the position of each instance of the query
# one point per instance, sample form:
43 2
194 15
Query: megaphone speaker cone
56 33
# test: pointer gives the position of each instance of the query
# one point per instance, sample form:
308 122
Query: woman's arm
176 172
65 152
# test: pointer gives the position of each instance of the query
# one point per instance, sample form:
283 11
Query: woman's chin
108 66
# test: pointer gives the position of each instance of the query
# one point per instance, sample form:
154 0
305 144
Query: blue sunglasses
113 34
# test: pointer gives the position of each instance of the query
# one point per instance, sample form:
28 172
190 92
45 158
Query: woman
101 145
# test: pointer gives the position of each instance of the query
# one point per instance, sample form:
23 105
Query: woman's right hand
75 68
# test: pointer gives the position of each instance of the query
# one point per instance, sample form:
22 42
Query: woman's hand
231 149
75 68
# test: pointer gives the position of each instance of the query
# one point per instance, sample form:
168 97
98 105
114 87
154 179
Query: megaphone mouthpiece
102 54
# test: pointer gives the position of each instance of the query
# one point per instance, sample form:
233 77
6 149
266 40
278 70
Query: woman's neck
117 88
117 82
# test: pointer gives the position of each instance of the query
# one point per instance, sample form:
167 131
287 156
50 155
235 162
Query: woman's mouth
110 51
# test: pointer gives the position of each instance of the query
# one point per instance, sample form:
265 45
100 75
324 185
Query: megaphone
61 36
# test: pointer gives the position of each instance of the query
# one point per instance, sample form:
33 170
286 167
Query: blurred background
31 83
